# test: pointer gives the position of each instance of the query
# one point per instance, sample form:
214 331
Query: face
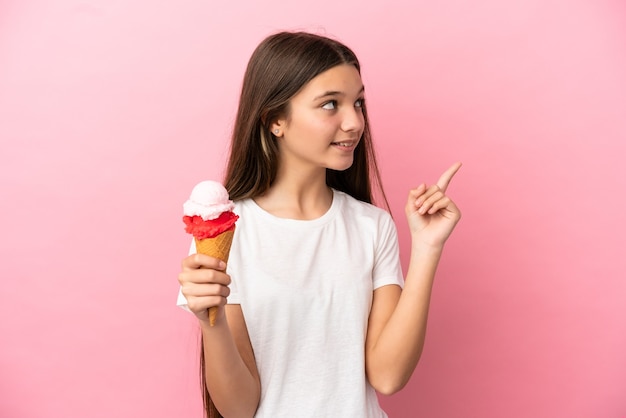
325 122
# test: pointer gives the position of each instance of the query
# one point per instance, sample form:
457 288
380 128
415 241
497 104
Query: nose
353 120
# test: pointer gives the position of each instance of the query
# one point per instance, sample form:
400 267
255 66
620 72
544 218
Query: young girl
314 315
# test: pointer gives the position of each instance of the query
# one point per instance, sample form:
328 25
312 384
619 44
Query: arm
398 318
231 374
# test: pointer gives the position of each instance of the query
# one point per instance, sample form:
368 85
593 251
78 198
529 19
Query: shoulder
247 214
241 205
361 209
365 216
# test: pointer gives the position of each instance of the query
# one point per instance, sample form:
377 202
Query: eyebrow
336 93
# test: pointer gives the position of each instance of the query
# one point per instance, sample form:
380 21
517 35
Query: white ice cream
209 199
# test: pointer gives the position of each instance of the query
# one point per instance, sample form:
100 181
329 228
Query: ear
277 128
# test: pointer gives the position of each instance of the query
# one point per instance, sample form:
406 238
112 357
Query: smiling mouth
345 144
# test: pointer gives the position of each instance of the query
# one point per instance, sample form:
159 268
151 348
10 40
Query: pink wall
111 110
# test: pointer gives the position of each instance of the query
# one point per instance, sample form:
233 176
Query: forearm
233 388
398 348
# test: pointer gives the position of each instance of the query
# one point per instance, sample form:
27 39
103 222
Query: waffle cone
218 247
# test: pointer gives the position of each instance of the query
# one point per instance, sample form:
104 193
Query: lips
347 144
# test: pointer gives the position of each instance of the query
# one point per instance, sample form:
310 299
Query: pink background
110 111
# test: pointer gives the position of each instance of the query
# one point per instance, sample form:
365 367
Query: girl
314 314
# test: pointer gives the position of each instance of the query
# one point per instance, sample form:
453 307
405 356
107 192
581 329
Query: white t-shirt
305 289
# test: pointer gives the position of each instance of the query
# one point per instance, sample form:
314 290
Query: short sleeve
231 269
387 268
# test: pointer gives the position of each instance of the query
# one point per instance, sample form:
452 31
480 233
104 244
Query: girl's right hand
204 284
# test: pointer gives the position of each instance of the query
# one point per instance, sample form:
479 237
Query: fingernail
222 265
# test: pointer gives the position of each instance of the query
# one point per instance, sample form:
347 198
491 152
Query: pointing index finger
446 177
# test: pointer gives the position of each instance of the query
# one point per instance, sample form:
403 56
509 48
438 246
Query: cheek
315 128
325 126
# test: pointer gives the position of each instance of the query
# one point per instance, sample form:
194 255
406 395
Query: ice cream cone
218 247
208 215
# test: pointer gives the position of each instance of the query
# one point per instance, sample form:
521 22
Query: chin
340 166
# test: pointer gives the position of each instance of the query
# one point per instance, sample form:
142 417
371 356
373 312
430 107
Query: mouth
348 145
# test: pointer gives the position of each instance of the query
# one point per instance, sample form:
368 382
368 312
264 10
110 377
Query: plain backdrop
110 111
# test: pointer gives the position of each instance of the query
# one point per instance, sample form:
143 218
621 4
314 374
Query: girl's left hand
431 214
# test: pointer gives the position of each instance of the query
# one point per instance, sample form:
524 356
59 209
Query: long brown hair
279 67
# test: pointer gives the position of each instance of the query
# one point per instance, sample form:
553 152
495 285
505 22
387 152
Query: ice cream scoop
208 200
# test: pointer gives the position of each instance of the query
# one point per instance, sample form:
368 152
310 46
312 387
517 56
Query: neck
298 195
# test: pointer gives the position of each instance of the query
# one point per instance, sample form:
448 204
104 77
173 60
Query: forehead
342 79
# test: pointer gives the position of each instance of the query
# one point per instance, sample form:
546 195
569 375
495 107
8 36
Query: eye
330 105
359 103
